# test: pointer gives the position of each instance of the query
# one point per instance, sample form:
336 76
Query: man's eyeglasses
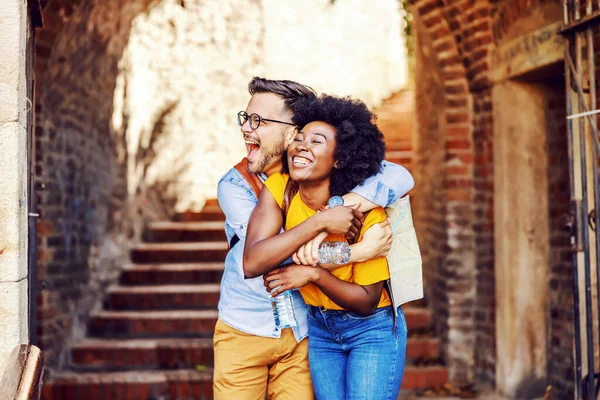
255 120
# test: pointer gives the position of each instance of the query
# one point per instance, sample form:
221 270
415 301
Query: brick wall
429 174
448 27
85 227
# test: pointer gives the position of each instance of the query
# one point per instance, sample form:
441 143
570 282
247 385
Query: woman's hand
308 254
342 220
290 277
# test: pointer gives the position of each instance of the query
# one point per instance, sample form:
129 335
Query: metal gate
580 29
35 20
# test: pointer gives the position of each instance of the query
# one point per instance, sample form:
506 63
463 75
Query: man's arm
382 189
237 204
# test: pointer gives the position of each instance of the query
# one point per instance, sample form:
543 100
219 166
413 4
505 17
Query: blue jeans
354 357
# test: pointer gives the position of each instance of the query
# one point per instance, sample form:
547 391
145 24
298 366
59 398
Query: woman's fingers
352 233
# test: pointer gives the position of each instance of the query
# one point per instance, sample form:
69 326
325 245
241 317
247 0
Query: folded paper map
404 259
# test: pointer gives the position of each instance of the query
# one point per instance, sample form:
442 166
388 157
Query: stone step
166 231
422 350
432 377
398 155
126 354
148 324
131 385
163 297
179 252
418 319
169 274
115 354
208 213
397 145
181 384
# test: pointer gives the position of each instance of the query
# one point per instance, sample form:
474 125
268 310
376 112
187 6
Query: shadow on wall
89 219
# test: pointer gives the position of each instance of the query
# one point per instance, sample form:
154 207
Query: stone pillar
13 177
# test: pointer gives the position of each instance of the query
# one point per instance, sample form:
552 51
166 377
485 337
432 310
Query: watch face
335 201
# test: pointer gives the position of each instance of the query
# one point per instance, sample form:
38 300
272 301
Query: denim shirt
244 303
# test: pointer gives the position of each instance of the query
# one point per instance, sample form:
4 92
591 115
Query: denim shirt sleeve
237 203
391 183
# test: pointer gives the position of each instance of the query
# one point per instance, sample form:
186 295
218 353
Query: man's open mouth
252 146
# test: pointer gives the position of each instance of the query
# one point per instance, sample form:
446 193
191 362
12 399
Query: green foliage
408 31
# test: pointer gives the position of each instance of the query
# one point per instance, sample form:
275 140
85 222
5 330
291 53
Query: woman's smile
301 162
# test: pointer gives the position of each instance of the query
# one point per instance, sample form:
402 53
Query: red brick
458 132
457 117
457 144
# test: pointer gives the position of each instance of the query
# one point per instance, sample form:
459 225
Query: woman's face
310 156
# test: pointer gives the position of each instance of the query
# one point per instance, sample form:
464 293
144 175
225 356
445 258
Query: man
252 357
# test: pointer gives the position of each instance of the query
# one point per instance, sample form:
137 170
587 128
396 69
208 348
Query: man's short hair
290 91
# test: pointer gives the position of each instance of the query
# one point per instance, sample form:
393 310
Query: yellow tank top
364 273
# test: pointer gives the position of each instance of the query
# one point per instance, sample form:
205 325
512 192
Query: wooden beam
22 378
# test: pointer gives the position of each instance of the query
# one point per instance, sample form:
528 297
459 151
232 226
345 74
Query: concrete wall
196 60
522 237
13 170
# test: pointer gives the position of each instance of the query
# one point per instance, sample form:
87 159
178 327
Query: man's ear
290 135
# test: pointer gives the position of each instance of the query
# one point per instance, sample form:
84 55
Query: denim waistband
329 311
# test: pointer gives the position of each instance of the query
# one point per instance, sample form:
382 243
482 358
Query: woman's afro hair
359 149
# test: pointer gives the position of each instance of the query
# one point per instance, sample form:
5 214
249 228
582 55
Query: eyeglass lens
254 119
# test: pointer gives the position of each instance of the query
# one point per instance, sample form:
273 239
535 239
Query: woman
356 346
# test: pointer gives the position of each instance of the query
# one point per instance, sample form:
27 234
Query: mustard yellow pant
248 367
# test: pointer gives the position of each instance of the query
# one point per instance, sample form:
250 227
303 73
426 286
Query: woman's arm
350 296
376 242
266 248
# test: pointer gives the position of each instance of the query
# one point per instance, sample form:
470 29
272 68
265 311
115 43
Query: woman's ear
336 165
290 135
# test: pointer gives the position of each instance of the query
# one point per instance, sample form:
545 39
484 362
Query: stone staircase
153 339
399 152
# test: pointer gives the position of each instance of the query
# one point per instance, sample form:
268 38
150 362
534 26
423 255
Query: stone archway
458 235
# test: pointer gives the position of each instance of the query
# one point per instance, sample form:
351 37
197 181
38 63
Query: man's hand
376 242
290 277
342 220
308 254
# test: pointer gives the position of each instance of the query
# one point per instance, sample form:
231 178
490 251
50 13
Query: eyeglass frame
260 119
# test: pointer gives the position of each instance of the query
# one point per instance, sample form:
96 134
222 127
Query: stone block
13 203
13 317
13 35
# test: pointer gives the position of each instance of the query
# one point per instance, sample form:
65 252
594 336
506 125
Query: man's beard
268 157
